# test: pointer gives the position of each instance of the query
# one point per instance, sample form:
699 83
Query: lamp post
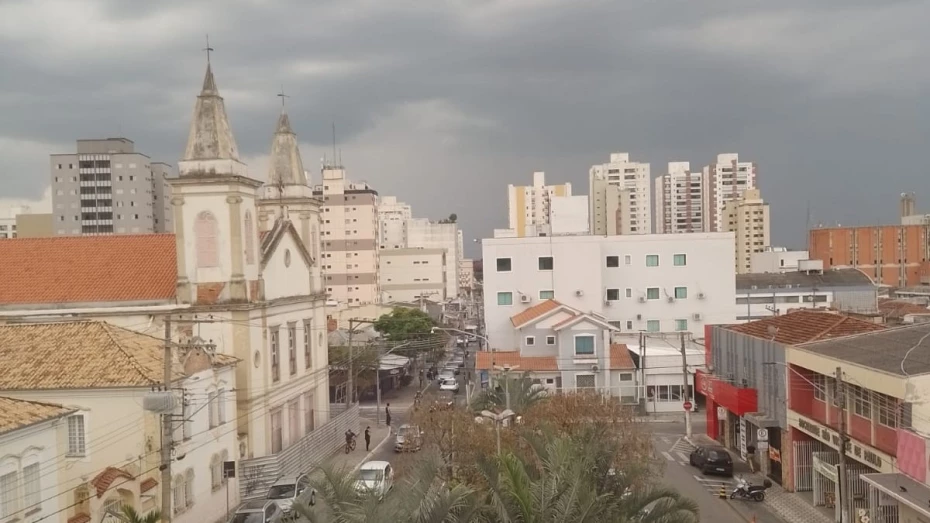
498 420
506 370
378 379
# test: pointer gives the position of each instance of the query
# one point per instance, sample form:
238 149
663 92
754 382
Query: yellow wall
521 211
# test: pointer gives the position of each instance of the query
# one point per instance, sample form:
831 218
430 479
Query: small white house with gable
31 434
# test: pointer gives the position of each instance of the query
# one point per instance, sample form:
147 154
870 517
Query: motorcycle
745 490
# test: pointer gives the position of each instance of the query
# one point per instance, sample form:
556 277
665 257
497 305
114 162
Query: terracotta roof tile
88 269
805 326
487 360
892 308
534 312
78 355
16 414
105 479
620 358
148 485
79 518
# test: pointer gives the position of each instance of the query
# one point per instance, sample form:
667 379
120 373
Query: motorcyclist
349 436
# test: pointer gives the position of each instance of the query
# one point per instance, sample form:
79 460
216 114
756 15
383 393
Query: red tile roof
892 308
148 485
88 269
79 518
105 479
620 358
805 326
534 312
487 360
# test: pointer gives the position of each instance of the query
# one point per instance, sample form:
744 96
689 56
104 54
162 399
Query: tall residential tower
619 199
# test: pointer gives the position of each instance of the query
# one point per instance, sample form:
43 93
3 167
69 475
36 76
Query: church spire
285 167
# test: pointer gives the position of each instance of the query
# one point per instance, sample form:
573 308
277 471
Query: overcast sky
444 102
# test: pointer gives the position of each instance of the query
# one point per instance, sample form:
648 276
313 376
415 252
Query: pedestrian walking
367 438
387 414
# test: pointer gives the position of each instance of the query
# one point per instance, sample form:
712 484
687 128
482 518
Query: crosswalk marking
683 457
668 456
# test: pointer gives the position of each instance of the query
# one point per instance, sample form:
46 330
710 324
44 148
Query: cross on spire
282 96
208 49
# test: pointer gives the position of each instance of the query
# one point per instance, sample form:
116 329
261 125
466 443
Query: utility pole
349 391
684 392
844 501
167 434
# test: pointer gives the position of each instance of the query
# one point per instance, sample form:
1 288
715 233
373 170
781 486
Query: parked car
450 384
446 374
288 489
258 511
712 460
409 438
375 478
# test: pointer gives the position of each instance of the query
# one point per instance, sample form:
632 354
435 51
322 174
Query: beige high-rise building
748 217
725 180
393 216
619 199
350 238
530 206
680 200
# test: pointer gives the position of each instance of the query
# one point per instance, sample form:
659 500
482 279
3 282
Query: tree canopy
404 324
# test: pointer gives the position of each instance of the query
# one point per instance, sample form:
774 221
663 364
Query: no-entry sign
688 405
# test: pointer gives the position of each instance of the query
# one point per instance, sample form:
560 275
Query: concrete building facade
679 205
893 255
529 206
776 259
725 180
655 283
748 218
350 238
408 275
425 234
109 188
392 218
620 201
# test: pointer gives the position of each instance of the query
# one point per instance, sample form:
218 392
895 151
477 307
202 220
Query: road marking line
668 456
682 456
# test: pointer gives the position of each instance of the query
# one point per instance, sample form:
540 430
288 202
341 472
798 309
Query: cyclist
350 439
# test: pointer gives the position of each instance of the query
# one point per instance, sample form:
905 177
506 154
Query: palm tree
523 395
129 515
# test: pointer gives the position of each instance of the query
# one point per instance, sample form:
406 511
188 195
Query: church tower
214 203
287 194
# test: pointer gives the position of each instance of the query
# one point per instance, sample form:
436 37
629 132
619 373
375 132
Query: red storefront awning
735 399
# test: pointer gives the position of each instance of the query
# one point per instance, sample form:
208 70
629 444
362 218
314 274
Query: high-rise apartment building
726 179
425 234
680 200
350 238
747 217
530 206
393 216
109 188
619 199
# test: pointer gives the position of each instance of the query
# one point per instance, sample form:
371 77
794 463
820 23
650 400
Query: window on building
862 402
220 407
652 293
626 376
249 239
681 293
293 421
187 423
206 233
531 340
546 295
681 325
504 265
652 325
652 260
275 356
680 260
629 325
9 494
585 381
628 259
212 414
292 347
178 494
545 263
277 434
613 261
505 298
309 413
550 340
819 382
32 488
308 353
613 294
77 443
887 409
216 472
189 488
584 344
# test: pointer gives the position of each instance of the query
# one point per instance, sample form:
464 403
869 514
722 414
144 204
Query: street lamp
498 421
506 370
378 379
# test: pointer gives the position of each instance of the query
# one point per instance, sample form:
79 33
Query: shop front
726 404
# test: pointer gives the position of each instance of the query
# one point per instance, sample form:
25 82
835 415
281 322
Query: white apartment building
680 200
748 218
8 222
619 199
654 283
726 179
569 215
392 218
466 275
776 259
530 206
350 238
408 275
425 234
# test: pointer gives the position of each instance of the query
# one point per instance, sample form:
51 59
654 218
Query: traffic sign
688 405
762 435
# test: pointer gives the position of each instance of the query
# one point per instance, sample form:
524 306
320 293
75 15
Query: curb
372 453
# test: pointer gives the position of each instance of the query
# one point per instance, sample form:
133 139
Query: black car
712 460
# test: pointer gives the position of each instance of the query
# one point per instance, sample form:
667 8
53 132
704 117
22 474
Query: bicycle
350 445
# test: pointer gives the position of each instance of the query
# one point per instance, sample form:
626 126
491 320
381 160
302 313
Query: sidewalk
792 508
380 435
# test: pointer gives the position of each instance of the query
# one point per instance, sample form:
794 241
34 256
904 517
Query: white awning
393 361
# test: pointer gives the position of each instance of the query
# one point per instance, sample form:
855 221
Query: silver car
288 489
409 438
258 511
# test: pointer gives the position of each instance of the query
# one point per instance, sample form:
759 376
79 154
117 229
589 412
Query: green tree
405 324
523 395
129 515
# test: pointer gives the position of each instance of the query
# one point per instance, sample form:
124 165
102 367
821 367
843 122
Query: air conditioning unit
642 299
606 303
696 316
579 293
639 317
524 298
701 295
671 299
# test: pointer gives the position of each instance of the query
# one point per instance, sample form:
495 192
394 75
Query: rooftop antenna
334 143
208 49
282 96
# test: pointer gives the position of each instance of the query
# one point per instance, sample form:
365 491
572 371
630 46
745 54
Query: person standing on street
387 414
367 438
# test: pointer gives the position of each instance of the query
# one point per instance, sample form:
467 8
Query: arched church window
249 239
206 233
